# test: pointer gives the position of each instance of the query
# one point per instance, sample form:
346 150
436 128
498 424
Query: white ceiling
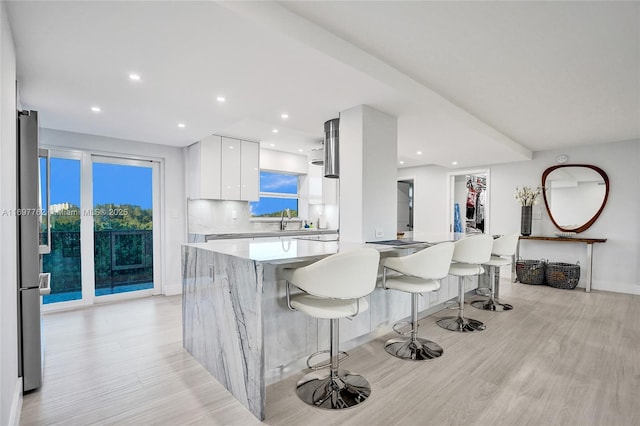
475 82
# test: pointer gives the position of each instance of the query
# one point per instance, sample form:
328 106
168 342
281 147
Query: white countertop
263 234
278 249
275 249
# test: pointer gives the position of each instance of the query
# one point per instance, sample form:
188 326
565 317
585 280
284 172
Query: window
278 191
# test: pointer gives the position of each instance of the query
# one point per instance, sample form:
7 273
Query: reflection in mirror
575 195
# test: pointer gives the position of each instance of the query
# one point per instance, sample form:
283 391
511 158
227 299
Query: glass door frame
86 159
124 161
69 304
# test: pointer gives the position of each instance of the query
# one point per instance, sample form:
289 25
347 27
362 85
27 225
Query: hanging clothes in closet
471 199
480 200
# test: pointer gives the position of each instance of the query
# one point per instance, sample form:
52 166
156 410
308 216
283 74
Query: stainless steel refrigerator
31 283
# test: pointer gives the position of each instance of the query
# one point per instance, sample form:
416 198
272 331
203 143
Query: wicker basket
530 271
563 275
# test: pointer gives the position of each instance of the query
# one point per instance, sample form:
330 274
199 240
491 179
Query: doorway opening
469 201
405 205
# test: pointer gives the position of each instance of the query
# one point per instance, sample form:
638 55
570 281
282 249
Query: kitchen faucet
283 224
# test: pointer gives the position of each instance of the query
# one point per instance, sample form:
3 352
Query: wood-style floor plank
559 358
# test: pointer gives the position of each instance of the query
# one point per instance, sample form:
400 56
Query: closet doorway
468 205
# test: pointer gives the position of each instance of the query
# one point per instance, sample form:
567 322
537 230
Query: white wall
10 388
615 263
368 188
173 202
279 161
429 198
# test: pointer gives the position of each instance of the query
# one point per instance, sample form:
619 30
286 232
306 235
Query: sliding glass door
104 232
122 225
64 261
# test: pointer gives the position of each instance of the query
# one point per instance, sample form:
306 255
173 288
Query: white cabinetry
203 169
230 169
220 168
249 171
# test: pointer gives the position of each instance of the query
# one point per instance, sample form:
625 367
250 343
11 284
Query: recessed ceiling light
275 130
419 152
95 109
272 145
220 99
134 77
182 125
231 147
455 163
285 116
401 162
300 150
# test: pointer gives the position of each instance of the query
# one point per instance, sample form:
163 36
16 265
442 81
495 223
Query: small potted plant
527 197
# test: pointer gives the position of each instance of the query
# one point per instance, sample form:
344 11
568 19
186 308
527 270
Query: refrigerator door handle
45 210
45 283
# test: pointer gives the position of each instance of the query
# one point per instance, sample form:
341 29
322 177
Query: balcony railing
123 261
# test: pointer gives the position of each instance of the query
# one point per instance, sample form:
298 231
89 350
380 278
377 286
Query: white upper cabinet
220 168
249 171
230 169
203 169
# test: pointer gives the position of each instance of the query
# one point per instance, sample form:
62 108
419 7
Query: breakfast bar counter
236 322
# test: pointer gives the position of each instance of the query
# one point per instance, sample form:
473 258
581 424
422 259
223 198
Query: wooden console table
588 241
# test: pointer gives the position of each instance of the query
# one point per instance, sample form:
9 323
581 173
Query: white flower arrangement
527 196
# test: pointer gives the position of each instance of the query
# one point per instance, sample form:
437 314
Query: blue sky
112 183
275 182
278 182
118 184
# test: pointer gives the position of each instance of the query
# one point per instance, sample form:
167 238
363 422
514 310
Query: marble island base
237 325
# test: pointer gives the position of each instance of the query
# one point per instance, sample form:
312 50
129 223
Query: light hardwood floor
559 358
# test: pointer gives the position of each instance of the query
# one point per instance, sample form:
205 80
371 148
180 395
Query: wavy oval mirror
574 195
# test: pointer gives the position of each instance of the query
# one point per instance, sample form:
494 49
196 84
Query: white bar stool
504 248
421 272
334 288
468 256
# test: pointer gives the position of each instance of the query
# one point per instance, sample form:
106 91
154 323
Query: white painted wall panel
10 396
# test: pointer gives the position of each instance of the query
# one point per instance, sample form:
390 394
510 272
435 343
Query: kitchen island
236 322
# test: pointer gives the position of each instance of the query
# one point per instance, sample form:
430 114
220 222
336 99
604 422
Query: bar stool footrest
400 323
452 305
341 355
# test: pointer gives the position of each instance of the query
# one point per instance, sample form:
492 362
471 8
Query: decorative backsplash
217 217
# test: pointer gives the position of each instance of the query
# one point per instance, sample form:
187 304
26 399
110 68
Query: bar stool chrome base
333 393
491 305
418 350
462 325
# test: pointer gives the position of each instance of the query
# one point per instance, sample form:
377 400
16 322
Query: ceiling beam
277 17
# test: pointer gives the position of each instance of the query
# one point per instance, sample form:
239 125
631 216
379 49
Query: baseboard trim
16 405
172 290
615 287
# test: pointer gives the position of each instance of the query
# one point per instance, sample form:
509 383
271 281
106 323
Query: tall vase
525 220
